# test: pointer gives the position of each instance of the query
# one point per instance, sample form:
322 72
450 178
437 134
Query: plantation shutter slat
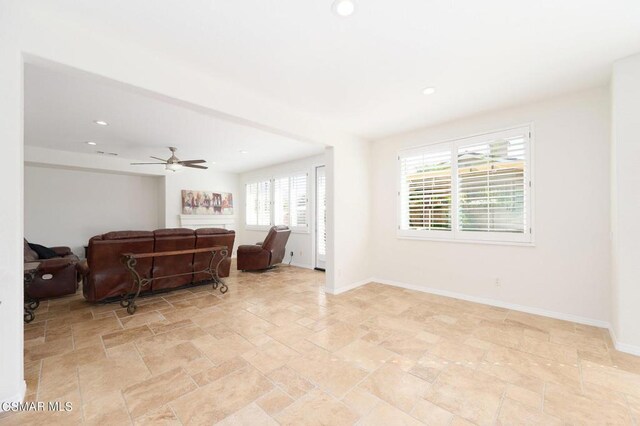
426 191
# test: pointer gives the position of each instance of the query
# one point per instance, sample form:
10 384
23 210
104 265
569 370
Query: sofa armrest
83 268
61 250
51 266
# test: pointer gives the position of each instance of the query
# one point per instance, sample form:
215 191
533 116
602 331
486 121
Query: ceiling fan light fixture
344 8
174 167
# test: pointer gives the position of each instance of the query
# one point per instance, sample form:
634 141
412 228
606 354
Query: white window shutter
491 186
299 201
251 204
426 190
264 203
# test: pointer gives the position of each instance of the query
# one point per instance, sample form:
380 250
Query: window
475 188
258 203
278 201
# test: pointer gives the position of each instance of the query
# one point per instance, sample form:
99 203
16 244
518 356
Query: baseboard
348 287
623 347
300 265
17 398
498 303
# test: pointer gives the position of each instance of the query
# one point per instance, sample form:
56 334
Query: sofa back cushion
108 277
173 240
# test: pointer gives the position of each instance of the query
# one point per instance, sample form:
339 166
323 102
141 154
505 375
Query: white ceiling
61 107
365 74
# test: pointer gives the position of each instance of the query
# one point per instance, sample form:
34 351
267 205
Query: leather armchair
55 277
266 254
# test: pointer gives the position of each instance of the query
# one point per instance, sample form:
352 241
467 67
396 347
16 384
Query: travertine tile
221 398
156 391
125 336
329 372
395 386
611 378
290 381
111 374
161 416
277 344
274 402
513 412
269 356
336 336
317 408
578 409
384 414
214 373
177 356
364 354
429 413
360 401
470 394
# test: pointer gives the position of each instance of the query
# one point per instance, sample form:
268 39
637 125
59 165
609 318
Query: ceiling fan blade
192 161
139 164
193 166
156 158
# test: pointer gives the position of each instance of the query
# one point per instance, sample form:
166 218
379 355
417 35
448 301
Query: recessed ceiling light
344 7
101 122
429 91
92 143
243 151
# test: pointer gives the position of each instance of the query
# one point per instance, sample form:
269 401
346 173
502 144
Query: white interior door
321 217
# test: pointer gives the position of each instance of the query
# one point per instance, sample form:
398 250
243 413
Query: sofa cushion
126 235
213 231
43 252
173 232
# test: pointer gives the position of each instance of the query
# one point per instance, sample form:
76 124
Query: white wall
625 198
567 272
301 243
66 207
12 385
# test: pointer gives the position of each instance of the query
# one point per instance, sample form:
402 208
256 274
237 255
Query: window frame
455 235
272 178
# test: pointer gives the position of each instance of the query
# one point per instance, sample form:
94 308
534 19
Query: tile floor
277 350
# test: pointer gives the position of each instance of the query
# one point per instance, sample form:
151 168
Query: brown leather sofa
55 277
105 277
266 254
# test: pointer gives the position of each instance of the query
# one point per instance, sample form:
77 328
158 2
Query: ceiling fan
173 163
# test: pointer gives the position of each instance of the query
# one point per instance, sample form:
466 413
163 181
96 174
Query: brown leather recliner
266 254
105 276
55 277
